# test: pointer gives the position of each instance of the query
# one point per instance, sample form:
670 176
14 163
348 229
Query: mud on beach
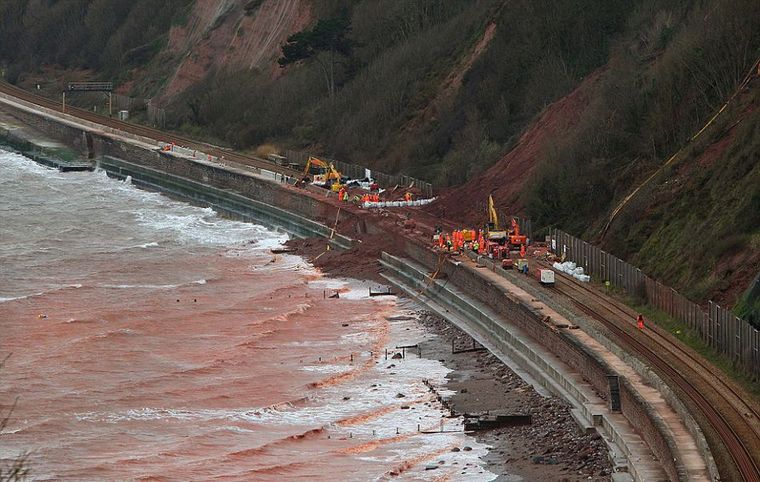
552 447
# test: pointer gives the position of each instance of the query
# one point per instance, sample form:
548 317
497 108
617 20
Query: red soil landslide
506 179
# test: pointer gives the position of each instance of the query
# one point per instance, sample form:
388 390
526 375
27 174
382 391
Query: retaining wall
231 203
567 348
229 187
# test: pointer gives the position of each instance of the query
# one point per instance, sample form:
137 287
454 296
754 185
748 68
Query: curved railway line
144 131
734 419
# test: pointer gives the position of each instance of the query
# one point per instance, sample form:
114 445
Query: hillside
235 35
560 110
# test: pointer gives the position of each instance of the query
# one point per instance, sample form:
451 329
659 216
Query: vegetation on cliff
444 89
109 36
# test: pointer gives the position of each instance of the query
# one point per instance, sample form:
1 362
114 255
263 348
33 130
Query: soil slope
232 35
506 179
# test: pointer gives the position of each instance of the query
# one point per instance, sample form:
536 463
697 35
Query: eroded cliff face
558 111
232 35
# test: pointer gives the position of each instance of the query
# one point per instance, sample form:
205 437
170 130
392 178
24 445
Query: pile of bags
397 204
573 270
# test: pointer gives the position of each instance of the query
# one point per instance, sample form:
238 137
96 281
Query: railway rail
144 131
734 419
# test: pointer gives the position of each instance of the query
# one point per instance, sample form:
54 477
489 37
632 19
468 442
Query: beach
151 339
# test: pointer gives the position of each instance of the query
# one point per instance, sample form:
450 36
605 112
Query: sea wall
236 192
226 201
592 368
242 193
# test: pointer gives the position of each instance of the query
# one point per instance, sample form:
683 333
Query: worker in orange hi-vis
522 250
640 322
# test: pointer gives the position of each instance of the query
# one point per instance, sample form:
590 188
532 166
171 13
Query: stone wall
592 368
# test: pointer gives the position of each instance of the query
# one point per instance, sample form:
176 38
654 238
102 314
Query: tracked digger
323 174
500 241
493 233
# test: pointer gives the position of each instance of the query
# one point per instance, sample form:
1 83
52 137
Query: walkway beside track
551 372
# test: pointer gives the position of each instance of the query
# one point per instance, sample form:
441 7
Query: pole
63 102
110 112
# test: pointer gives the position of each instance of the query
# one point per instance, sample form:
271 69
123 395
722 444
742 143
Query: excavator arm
313 161
493 218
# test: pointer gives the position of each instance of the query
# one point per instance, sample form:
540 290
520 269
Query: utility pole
63 102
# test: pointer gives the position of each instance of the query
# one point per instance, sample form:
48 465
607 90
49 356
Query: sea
145 338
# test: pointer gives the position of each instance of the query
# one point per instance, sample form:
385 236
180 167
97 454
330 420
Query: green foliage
406 91
328 36
693 340
672 67
106 35
748 306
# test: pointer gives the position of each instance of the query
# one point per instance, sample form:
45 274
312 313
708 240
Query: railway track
734 419
737 422
144 131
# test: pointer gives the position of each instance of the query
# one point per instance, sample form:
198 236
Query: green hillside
443 89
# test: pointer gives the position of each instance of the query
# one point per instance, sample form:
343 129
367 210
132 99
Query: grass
692 339
686 336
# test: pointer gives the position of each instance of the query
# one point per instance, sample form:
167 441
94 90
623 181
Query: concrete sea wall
234 192
227 201
242 193
592 368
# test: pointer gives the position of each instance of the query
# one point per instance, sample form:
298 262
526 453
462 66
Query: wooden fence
718 327
357 172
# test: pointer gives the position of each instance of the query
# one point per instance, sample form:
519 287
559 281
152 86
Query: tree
328 37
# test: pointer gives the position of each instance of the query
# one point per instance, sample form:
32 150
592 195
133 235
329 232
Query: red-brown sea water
154 340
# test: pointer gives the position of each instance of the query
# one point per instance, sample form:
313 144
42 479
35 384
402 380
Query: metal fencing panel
717 327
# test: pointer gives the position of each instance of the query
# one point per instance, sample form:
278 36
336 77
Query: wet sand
551 448
154 340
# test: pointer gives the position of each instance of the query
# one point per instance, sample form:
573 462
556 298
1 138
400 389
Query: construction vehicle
335 180
323 174
317 168
497 240
501 241
493 233
515 238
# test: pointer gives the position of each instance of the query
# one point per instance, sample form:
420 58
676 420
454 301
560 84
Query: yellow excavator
323 174
318 169
494 234
335 179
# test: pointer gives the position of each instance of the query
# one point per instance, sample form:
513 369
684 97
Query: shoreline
361 264
371 231
552 447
